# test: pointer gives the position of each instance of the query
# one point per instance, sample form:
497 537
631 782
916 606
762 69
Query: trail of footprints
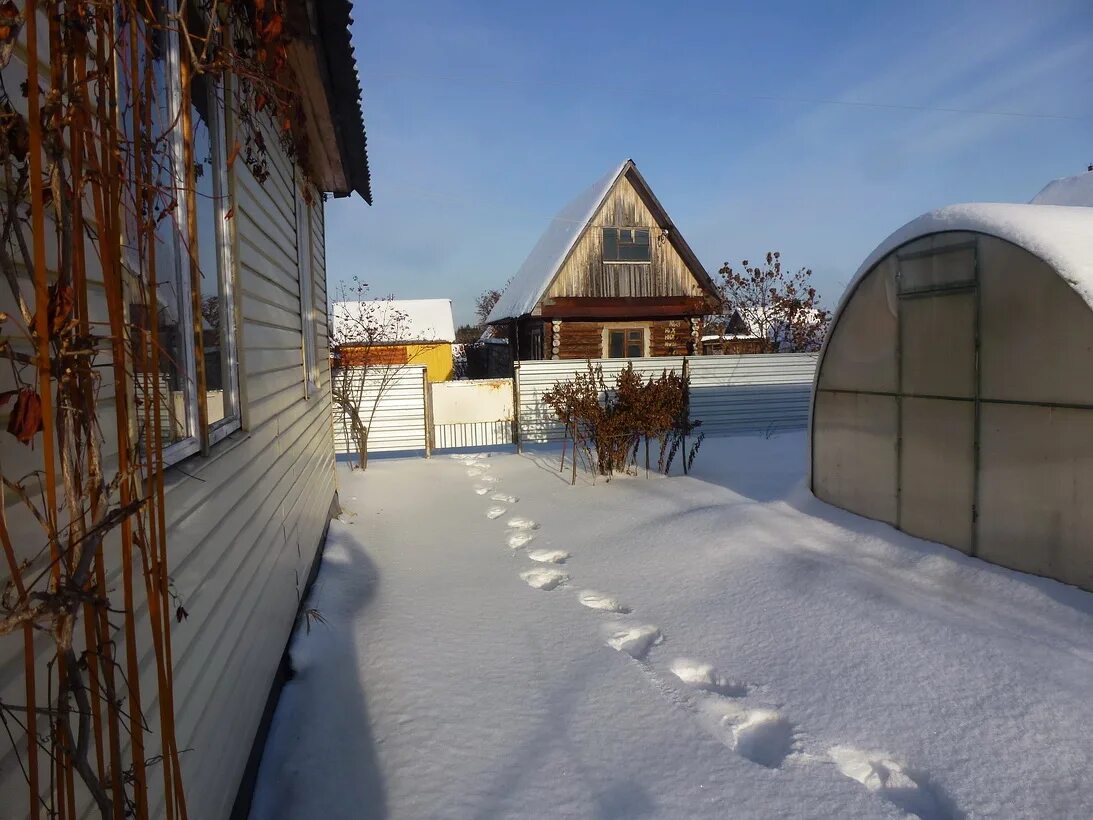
760 734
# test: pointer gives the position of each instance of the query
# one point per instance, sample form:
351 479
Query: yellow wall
437 359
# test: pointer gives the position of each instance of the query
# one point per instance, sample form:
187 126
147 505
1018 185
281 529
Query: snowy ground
716 646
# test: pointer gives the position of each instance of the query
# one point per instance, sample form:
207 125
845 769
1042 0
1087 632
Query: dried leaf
26 416
61 305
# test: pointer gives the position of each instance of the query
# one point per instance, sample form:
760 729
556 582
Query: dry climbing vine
89 180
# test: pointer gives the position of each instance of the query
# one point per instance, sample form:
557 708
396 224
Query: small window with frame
625 343
626 245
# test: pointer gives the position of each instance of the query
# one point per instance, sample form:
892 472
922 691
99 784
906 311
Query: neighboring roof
1075 190
534 277
426 320
344 92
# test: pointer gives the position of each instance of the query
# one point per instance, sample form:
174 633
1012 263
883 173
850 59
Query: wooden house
612 277
211 240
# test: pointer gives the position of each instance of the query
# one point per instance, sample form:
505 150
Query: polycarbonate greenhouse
954 393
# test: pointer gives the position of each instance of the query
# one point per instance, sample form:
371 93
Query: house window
626 343
304 252
211 263
193 278
626 245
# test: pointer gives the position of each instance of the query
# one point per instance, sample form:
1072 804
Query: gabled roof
535 276
1075 190
418 320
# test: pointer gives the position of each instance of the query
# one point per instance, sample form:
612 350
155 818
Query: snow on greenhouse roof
1062 236
535 275
412 320
1075 190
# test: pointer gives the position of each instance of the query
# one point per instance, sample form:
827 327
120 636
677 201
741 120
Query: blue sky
813 128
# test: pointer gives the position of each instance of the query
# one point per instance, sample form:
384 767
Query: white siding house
248 493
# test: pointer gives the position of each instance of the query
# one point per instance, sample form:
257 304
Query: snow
1061 236
782 658
535 275
426 320
1075 190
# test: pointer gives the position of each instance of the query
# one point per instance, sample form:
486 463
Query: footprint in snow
542 556
520 539
495 512
544 578
879 773
508 499
763 736
635 641
474 472
519 523
704 676
605 603
480 490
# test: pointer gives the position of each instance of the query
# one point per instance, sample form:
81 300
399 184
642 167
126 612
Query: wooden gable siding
585 273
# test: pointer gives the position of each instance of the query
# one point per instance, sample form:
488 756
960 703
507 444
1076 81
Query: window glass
150 241
616 344
209 150
626 245
626 344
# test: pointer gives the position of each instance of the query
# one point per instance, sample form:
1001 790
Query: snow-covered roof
1075 190
535 275
426 320
539 269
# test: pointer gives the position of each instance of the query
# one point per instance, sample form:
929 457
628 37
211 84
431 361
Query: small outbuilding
954 393
396 332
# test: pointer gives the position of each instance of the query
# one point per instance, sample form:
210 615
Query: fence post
516 407
428 414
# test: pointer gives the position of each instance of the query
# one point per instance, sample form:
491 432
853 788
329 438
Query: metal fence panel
729 394
399 419
748 393
534 378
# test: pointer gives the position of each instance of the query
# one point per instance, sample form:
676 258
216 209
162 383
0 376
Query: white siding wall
244 523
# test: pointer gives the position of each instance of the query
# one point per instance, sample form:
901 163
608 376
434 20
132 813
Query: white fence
399 421
729 394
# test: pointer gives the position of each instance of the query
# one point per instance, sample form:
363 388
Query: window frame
305 267
197 439
623 327
618 244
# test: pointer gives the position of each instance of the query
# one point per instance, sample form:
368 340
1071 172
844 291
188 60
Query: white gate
472 413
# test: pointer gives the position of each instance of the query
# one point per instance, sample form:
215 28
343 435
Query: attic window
626 245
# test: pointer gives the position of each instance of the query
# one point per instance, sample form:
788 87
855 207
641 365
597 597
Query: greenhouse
954 393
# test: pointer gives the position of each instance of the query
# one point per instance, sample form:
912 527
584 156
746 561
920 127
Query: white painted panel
462 402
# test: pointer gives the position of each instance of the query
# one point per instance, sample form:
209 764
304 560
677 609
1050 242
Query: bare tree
365 357
486 301
779 307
